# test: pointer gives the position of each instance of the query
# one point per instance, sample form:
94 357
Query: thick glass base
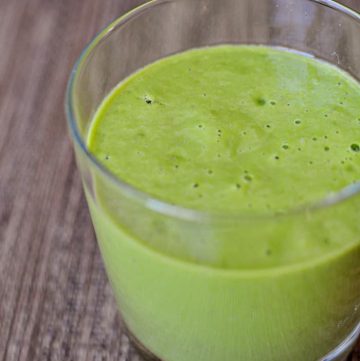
340 353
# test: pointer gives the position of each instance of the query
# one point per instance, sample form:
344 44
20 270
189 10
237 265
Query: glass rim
160 206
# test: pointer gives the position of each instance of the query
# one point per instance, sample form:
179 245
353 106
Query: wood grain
55 301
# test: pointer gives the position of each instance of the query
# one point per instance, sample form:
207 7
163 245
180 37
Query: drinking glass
202 286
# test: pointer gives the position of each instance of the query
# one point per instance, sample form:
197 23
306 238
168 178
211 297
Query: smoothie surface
233 128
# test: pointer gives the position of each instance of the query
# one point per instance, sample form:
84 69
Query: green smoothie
256 141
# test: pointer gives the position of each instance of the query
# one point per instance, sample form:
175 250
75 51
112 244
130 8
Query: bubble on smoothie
148 99
355 147
260 101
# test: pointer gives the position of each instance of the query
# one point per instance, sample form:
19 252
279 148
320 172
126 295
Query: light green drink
233 130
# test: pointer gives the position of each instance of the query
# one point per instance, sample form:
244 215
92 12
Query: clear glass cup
185 289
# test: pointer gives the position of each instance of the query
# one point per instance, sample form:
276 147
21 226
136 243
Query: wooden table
55 301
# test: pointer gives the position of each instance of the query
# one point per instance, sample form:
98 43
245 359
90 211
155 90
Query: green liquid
233 129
